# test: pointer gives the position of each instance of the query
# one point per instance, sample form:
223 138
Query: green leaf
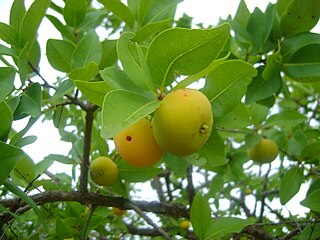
226 84
310 232
18 192
6 119
200 215
10 155
20 134
109 53
134 62
298 16
261 88
225 226
59 54
32 21
86 73
236 118
122 108
59 158
312 201
286 118
177 164
119 9
9 34
7 75
117 79
17 13
184 51
63 29
136 174
311 151
25 141
30 102
93 91
258 113
89 50
43 165
243 14
65 87
290 184
7 51
74 12
92 20
60 117
214 151
24 171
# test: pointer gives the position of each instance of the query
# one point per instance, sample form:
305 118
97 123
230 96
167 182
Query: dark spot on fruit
186 95
128 138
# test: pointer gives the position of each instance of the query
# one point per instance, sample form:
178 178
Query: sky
48 142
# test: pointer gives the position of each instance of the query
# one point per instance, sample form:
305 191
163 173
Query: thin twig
190 186
84 234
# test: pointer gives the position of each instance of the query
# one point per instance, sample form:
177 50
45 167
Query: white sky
202 11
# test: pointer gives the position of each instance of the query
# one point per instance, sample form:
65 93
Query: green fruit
263 152
103 171
183 122
185 224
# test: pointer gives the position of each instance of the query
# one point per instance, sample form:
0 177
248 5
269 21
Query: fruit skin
137 146
118 211
183 122
103 171
263 152
185 224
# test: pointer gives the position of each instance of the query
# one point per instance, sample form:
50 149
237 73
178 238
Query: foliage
261 74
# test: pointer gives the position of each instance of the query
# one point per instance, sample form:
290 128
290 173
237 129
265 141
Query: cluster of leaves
262 81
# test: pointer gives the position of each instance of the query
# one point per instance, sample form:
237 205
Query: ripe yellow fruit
183 122
185 224
137 146
263 152
118 211
103 171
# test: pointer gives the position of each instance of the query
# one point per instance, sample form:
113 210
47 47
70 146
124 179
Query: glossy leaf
59 54
200 215
93 91
109 53
136 174
7 75
10 155
6 119
184 51
134 62
65 87
9 34
312 201
63 29
226 85
86 73
290 184
17 13
60 117
122 108
286 118
225 226
310 232
74 12
311 151
89 50
236 118
26 141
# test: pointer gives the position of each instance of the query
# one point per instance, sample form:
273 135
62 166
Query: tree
261 73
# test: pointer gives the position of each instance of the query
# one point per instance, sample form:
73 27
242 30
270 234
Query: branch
190 187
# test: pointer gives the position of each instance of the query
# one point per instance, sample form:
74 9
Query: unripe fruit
103 171
263 152
137 146
183 122
185 224
118 211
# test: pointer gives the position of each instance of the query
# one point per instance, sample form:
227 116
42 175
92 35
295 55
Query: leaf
236 118
9 34
109 53
20 134
226 84
59 54
119 9
6 119
60 117
184 52
65 87
7 75
10 155
200 215
7 51
311 151
214 151
92 20
258 113
93 91
290 184
89 50
310 232
25 141
17 13
74 12
122 108
312 201
134 62
59 158
225 226
18 192
32 21
286 118
63 29
298 16
136 174
43 165
86 73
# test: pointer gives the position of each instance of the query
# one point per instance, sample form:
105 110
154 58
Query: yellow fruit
103 171
118 211
185 224
263 152
183 122
137 146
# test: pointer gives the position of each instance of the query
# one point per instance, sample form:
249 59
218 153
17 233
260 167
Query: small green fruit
103 171
263 152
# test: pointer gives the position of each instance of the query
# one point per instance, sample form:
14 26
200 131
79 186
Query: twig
84 234
263 197
158 187
190 187
150 221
